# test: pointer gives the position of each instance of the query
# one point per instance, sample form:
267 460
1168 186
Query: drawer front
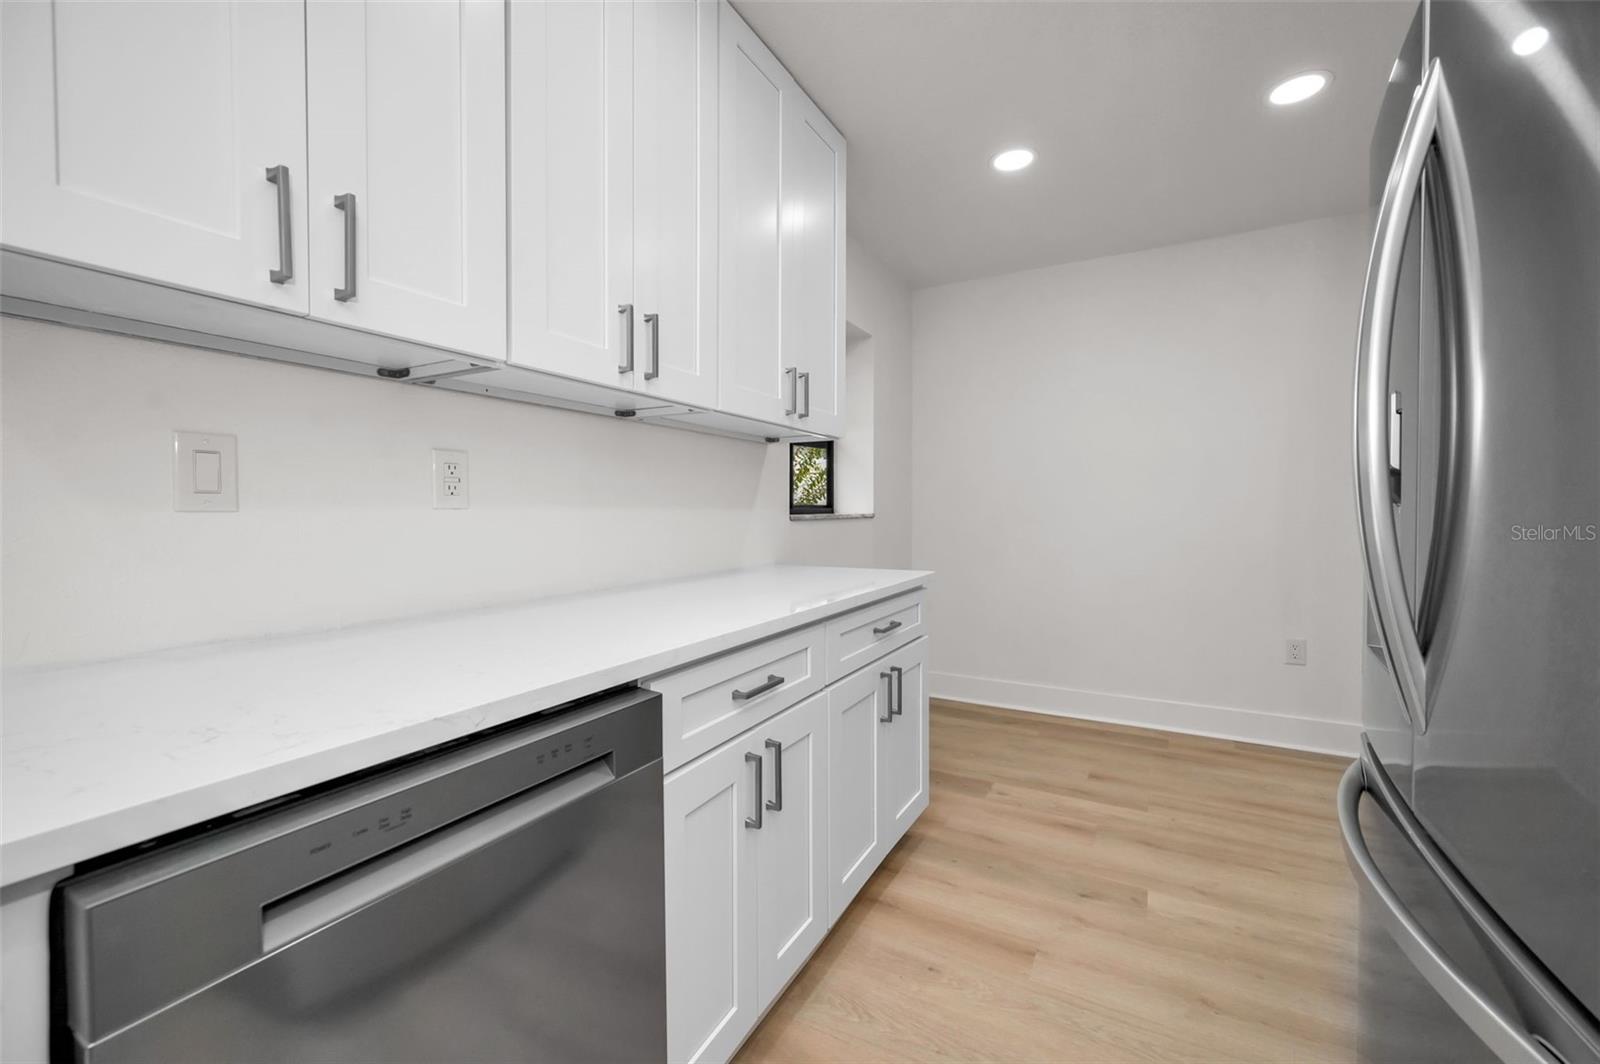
708 703
869 633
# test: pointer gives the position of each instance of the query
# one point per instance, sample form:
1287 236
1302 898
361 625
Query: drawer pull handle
755 821
886 629
897 704
775 803
888 699
772 680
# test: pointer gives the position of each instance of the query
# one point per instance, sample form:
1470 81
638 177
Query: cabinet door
751 378
813 263
571 150
903 751
792 845
407 133
711 905
138 138
675 198
858 721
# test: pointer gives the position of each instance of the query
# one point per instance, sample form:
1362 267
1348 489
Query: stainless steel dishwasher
498 900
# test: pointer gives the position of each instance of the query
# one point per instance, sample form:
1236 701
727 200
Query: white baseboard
1217 722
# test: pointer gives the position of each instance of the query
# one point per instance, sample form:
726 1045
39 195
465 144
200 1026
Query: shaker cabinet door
675 199
903 752
571 100
813 264
407 134
752 379
792 845
858 723
165 141
712 981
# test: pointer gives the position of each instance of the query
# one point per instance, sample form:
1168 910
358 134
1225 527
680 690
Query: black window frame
826 446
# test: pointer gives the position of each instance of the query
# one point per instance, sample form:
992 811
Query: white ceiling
1149 118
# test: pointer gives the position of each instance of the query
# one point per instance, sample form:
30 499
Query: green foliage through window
811 478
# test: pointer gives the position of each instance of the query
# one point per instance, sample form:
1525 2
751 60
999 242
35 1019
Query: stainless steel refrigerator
1472 819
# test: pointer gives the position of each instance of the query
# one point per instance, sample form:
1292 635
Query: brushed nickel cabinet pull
755 821
284 272
346 202
654 369
772 680
775 803
626 363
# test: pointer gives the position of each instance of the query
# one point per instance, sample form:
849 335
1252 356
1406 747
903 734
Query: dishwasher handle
291 918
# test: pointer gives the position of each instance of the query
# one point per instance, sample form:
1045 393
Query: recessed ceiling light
1300 87
1013 159
1530 40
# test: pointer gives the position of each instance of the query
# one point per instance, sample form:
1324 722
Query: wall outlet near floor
1294 652
450 480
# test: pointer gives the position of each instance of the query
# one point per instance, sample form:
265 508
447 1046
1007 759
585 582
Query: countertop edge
57 848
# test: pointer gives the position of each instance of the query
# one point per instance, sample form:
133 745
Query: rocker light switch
208 472
205 472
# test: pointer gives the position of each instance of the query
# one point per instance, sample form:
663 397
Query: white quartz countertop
100 756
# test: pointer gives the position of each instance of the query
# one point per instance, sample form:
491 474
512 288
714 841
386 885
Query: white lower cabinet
858 715
746 878
792 844
903 746
711 905
770 835
877 766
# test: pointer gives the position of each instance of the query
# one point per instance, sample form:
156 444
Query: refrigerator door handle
1430 129
1503 1034
1498 1031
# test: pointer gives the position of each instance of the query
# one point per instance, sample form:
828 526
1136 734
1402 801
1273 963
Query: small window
811 478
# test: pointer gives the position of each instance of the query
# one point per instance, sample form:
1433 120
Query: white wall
1132 476
336 524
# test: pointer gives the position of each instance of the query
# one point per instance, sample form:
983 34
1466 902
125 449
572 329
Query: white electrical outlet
1294 652
450 480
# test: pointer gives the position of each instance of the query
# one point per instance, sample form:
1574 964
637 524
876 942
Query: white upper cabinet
139 138
675 198
571 152
753 381
782 240
407 192
626 193
613 125
813 263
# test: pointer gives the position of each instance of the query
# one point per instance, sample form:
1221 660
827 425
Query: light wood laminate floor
1088 892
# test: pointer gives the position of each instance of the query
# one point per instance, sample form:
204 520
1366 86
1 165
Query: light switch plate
205 472
450 480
